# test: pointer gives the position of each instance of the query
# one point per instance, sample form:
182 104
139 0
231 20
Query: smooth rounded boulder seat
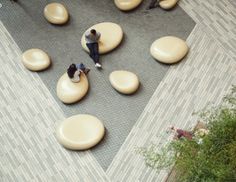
111 36
69 92
35 60
80 132
124 82
126 5
168 4
56 13
169 49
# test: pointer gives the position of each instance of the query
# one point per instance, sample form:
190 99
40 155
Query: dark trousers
93 51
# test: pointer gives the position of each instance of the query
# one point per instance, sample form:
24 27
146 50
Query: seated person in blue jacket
74 71
92 37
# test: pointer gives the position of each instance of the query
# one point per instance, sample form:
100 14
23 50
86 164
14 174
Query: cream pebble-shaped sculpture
35 60
169 49
56 13
80 132
126 5
111 36
69 92
168 4
124 82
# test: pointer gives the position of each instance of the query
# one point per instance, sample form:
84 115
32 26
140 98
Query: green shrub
212 160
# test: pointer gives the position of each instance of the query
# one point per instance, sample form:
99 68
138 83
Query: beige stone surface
124 81
126 5
111 36
69 92
80 132
56 13
169 49
168 4
35 60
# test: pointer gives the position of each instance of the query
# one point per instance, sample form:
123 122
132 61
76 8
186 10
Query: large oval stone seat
69 92
35 60
126 5
56 13
168 4
169 49
124 82
80 132
111 36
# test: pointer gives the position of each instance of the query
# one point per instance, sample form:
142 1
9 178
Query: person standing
92 37
153 4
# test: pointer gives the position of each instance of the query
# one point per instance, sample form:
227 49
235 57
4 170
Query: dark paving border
29 29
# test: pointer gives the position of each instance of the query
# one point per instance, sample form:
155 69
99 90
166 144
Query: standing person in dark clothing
153 4
92 37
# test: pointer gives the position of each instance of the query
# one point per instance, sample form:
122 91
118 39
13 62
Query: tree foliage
212 160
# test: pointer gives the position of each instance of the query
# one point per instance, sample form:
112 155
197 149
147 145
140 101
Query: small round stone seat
126 5
56 13
124 82
35 60
168 4
69 92
111 36
80 132
169 49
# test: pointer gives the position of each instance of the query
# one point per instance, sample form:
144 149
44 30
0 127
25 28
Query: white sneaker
98 65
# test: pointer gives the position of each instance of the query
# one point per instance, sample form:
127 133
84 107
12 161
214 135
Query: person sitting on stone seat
92 37
74 71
